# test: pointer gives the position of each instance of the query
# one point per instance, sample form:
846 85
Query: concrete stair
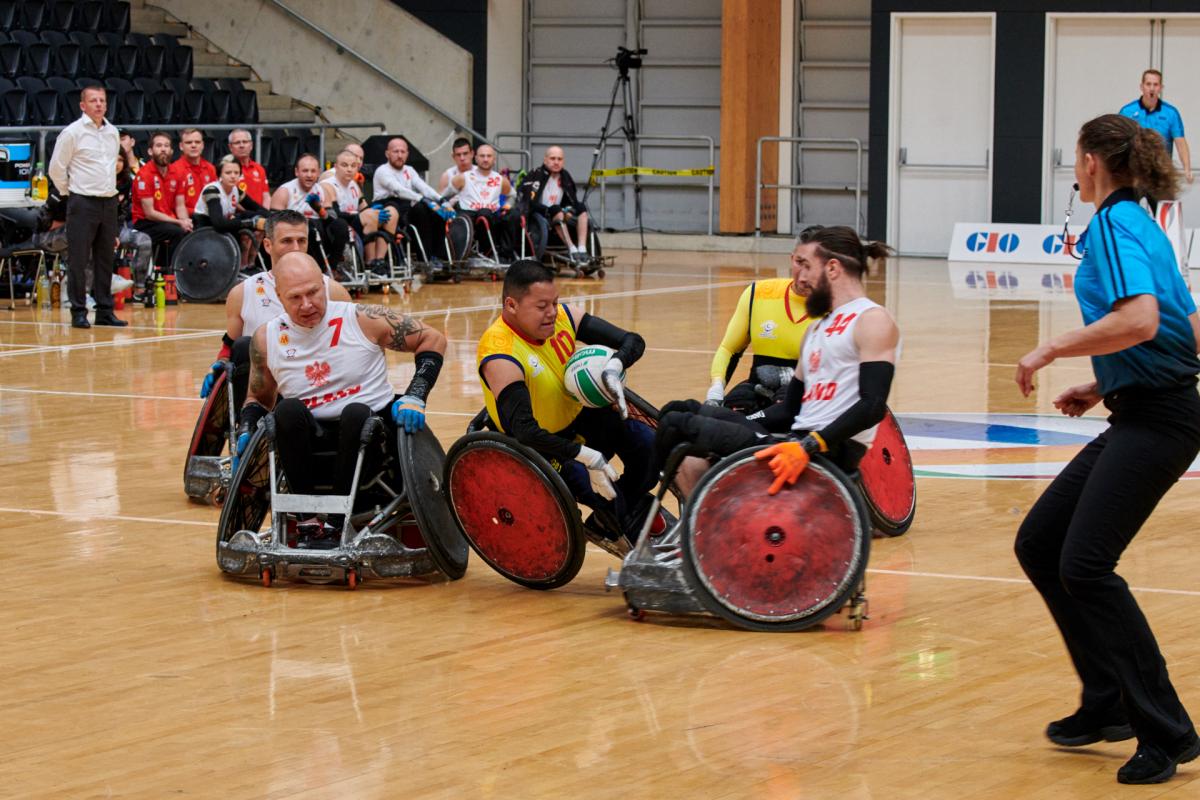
209 61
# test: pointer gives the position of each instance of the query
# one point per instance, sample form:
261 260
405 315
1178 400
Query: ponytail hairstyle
1133 155
842 242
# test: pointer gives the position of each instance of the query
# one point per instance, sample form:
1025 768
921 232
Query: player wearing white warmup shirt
346 198
407 200
480 192
327 359
254 301
838 393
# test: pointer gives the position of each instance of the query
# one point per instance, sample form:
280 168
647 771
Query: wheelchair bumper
207 478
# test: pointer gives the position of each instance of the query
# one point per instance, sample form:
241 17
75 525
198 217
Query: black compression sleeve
252 412
874 383
429 364
629 345
779 417
516 417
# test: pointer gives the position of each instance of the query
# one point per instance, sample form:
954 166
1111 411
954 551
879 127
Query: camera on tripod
627 59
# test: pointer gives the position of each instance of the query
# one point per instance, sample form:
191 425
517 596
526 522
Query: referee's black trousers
91 239
1073 537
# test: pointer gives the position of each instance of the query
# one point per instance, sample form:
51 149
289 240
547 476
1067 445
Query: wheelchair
516 510
772 563
396 524
207 473
472 248
399 272
207 264
556 254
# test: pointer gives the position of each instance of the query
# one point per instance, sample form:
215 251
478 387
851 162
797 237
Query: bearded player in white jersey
838 393
326 358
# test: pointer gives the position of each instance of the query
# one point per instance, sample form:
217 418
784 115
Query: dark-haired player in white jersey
480 191
839 391
327 359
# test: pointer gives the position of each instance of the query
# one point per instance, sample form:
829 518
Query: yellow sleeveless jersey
770 318
544 365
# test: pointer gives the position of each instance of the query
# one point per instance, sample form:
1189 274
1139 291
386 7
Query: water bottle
43 291
41 187
160 291
56 291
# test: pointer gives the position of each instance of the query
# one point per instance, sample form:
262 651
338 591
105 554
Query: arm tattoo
402 325
258 370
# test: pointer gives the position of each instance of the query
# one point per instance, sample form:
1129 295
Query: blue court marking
984 431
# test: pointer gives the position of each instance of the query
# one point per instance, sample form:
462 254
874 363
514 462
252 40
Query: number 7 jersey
544 364
829 363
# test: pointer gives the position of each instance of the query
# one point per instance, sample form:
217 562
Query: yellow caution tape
609 173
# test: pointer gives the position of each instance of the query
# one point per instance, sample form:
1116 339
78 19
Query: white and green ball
584 379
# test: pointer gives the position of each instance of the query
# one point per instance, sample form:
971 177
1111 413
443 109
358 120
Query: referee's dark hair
843 243
522 274
1133 155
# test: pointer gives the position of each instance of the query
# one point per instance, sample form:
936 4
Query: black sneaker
1152 765
1086 727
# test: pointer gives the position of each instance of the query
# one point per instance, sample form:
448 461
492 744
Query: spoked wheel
886 480
422 465
780 563
515 510
247 505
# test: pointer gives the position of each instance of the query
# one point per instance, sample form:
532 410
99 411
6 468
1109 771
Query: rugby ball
583 377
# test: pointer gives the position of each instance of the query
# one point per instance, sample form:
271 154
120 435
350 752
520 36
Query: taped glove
409 412
613 377
206 386
716 393
600 472
789 460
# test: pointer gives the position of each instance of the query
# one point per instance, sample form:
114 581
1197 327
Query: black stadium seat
152 60
119 85
8 15
98 60
49 106
61 84
192 110
33 16
133 106
178 57
84 39
125 63
116 16
68 61
89 16
220 110
61 16
37 59
6 85
11 59
31 83
54 38
162 108
15 107
24 37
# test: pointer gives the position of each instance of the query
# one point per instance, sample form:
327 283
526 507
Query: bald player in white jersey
838 393
327 359
254 301
480 191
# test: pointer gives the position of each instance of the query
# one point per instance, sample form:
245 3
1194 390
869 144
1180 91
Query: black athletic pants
91 236
167 234
719 431
332 236
298 435
426 222
1072 538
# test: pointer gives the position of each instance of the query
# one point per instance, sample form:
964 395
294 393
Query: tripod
629 128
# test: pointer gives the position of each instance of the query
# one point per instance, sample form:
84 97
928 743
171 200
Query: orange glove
788 460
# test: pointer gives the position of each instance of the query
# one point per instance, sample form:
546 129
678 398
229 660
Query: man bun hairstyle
843 243
522 274
1133 155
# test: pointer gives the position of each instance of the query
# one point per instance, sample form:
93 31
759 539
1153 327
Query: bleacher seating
51 49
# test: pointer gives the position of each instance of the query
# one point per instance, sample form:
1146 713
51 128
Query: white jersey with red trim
329 365
480 191
260 301
829 363
346 198
296 195
552 193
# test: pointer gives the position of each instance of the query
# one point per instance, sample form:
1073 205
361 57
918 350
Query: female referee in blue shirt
1141 331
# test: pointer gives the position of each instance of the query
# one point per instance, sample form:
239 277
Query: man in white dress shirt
84 170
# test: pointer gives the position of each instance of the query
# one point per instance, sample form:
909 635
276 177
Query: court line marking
119 395
129 328
990 579
67 348
118 517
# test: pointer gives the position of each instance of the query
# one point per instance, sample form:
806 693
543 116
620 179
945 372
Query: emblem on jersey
260 289
241 186
291 353
283 339
191 191
535 364
814 361
767 329
317 373
265 302
142 185
158 195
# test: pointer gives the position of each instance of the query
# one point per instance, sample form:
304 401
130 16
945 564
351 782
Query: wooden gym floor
133 668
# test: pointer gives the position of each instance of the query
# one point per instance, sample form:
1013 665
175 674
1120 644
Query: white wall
302 64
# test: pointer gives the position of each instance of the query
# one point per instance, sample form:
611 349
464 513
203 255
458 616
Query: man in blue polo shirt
1151 111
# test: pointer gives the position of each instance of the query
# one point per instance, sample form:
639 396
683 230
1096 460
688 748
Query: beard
820 301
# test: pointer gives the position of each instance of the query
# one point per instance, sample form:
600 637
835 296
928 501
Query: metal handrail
559 136
258 128
315 28
802 141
